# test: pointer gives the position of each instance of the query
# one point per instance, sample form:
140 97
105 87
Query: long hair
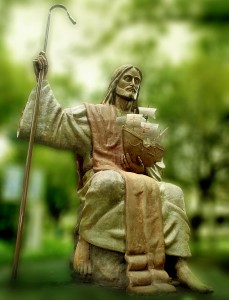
110 95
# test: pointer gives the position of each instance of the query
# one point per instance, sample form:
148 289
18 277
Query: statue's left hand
129 165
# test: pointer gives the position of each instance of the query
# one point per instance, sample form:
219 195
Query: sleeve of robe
56 127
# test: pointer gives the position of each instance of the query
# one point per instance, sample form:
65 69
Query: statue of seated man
132 228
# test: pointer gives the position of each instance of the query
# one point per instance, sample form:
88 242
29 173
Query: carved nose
132 83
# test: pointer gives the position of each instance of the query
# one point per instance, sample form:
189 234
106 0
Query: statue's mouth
131 89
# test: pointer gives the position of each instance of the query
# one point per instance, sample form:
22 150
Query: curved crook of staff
30 148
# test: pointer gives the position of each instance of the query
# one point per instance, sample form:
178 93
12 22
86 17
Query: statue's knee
108 182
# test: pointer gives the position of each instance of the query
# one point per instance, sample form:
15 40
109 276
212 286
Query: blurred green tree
194 106
191 97
15 84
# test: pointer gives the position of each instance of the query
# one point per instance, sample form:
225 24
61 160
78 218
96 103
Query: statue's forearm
49 109
56 127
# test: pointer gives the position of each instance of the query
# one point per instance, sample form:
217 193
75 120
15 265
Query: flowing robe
69 129
144 240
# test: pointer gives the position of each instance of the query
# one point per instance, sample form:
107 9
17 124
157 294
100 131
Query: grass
45 273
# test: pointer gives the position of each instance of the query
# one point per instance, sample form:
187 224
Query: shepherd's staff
30 148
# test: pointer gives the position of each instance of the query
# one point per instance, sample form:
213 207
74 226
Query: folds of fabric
106 137
144 248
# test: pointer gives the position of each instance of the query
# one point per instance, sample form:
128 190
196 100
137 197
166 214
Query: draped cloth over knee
145 249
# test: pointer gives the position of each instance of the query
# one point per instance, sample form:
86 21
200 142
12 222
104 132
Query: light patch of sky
4 146
177 44
126 36
25 39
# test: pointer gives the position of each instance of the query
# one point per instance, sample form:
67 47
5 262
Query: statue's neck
123 104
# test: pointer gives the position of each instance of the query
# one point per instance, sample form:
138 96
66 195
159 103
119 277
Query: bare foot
81 260
185 276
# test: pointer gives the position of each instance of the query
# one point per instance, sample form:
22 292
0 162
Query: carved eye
127 78
136 80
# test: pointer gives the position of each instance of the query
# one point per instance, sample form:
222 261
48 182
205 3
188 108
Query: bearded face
129 84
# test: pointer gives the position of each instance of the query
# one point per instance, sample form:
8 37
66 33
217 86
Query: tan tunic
142 210
69 129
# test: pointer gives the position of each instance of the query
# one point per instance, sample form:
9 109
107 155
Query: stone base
108 268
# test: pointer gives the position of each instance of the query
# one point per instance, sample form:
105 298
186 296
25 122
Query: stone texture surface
108 267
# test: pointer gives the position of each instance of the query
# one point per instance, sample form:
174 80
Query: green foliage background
191 95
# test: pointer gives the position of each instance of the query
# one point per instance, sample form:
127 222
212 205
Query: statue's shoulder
76 111
99 107
101 111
